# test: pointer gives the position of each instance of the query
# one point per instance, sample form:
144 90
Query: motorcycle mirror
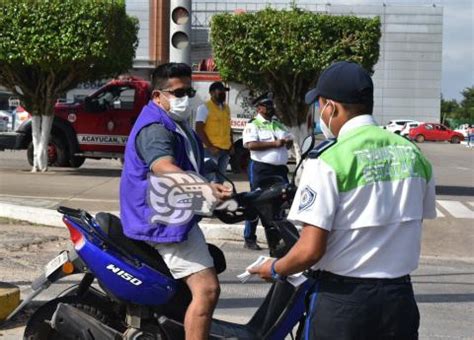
307 145
210 166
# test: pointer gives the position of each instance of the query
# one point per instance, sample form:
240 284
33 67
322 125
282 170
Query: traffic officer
268 140
361 203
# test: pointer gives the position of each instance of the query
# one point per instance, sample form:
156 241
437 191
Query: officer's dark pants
349 308
262 175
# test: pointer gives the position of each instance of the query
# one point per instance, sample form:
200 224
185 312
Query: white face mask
179 108
326 129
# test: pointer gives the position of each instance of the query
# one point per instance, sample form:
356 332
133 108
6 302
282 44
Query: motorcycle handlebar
284 191
248 201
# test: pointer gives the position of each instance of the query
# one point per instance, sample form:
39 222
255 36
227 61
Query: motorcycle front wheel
38 326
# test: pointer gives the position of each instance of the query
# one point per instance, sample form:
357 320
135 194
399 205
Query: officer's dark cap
345 82
265 99
217 85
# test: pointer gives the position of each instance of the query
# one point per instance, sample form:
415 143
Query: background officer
268 140
361 203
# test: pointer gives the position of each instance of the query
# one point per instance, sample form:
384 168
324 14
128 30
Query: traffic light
180 31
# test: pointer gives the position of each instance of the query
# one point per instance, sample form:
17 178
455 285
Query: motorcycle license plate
55 263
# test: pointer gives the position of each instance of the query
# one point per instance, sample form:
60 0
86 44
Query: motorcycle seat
112 226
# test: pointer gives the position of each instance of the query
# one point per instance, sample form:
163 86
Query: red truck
98 125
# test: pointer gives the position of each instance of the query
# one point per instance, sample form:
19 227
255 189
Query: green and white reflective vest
371 191
261 130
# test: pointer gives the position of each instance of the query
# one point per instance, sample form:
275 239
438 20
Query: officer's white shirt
368 247
252 133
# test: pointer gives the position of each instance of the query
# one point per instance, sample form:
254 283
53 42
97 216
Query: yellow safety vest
217 126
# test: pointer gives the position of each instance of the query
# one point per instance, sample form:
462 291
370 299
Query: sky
458 42
458 47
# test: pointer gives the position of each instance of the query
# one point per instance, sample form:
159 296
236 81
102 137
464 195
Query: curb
9 299
52 218
35 215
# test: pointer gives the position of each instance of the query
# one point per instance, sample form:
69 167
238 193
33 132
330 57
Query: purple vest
134 210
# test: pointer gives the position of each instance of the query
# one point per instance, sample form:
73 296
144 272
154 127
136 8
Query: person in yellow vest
213 127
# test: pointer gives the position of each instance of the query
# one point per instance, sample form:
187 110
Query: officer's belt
328 276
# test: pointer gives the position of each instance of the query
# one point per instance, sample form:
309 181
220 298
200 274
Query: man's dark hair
161 74
359 108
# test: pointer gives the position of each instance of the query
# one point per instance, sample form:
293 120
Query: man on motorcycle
361 203
162 141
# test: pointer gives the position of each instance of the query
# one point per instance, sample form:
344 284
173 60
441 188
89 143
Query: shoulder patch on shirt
307 198
321 147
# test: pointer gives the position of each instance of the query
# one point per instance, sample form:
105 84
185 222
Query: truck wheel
76 161
420 138
239 160
56 152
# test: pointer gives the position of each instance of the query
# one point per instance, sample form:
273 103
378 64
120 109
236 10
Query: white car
463 129
397 125
406 128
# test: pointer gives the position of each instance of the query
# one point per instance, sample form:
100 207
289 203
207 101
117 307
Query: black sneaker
252 245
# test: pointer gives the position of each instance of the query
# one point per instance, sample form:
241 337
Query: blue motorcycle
139 299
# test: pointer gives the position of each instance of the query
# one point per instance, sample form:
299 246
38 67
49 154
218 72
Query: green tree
454 113
466 106
284 51
48 47
448 109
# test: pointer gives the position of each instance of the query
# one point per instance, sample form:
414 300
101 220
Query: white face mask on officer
179 108
326 129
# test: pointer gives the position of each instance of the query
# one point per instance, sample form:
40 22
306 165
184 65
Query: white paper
245 276
295 279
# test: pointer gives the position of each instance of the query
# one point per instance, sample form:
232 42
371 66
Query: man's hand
221 192
264 271
307 251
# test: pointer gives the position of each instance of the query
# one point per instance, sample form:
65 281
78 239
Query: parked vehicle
407 127
397 125
21 116
4 121
464 129
98 125
139 297
434 132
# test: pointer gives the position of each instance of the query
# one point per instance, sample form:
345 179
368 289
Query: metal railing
202 11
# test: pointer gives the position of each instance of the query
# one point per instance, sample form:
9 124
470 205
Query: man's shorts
187 257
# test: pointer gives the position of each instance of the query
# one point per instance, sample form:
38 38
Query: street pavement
94 187
444 288
444 283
